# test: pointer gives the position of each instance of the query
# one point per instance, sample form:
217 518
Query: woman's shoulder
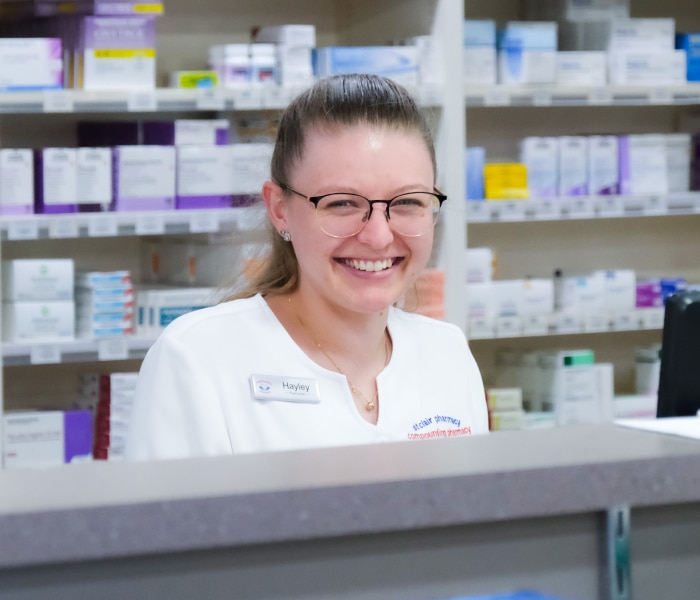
223 314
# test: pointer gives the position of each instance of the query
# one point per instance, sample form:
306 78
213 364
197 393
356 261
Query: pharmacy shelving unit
45 375
655 235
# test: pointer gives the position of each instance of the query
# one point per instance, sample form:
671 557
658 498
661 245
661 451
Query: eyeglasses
342 214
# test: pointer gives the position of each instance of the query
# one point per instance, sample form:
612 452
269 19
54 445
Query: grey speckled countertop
110 510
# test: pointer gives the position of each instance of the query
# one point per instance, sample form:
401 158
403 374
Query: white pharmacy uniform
229 379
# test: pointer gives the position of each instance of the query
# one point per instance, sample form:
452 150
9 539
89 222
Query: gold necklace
370 405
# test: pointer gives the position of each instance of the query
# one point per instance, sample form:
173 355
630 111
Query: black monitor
679 379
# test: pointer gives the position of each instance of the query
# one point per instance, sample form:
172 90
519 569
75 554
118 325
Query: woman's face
370 270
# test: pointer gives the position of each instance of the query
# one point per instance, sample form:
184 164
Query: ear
275 203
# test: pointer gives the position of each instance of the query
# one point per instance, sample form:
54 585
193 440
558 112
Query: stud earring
285 235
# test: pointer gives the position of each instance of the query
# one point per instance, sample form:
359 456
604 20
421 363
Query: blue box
475 159
690 42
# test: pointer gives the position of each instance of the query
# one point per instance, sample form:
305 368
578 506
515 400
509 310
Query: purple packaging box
186 132
205 177
144 178
30 63
649 293
78 434
108 133
55 181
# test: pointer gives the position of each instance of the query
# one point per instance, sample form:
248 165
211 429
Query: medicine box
37 279
144 178
527 52
38 322
42 439
16 181
540 155
399 63
603 165
186 132
690 42
55 180
480 57
28 64
582 68
643 164
94 179
205 176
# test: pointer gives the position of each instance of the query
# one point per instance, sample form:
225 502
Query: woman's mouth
368 265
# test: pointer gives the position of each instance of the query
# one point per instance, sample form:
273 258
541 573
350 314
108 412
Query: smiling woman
314 352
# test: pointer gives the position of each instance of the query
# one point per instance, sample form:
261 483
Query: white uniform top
194 395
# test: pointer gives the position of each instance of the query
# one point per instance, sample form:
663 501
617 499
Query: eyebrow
397 192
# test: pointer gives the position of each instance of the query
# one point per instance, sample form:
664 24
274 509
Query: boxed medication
603 165
38 322
582 68
527 52
42 439
651 35
690 43
678 148
31 64
205 176
232 65
16 181
263 64
116 53
506 181
480 264
504 399
647 67
537 297
251 167
399 63
144 178
189 80
620 291
186 132
480 56
540 155
55 180
573 166
94 179
475 158
643 164
35 279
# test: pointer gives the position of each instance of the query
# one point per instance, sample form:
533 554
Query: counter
422 520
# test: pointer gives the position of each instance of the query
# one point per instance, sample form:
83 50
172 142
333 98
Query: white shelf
75 225
583 207
556 95
165 100
79 350
645 319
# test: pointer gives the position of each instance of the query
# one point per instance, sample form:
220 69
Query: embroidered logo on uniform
438 426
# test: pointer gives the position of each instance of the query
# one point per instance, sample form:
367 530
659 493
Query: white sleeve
176 412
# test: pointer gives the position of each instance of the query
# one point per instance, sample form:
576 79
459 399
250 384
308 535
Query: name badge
285 389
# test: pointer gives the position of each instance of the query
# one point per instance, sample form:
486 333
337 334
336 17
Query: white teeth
370 265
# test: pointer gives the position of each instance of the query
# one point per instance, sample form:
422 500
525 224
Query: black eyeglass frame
387 213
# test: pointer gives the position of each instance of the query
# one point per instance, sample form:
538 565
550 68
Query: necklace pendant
370 406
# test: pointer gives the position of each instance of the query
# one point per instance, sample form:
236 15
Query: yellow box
505 181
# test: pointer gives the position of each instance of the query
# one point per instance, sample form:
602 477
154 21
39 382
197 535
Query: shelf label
600 96
547 209
535 324
22 229
102 226
595 322
481 329
63 227
57 101
508 327
611 206
656 205
150 224
625 322
542 98
581 208
142 101
661 95
247 99
112 349
204 222
567 323
45 354
275 96
510 211
210 98
497 97
478 211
